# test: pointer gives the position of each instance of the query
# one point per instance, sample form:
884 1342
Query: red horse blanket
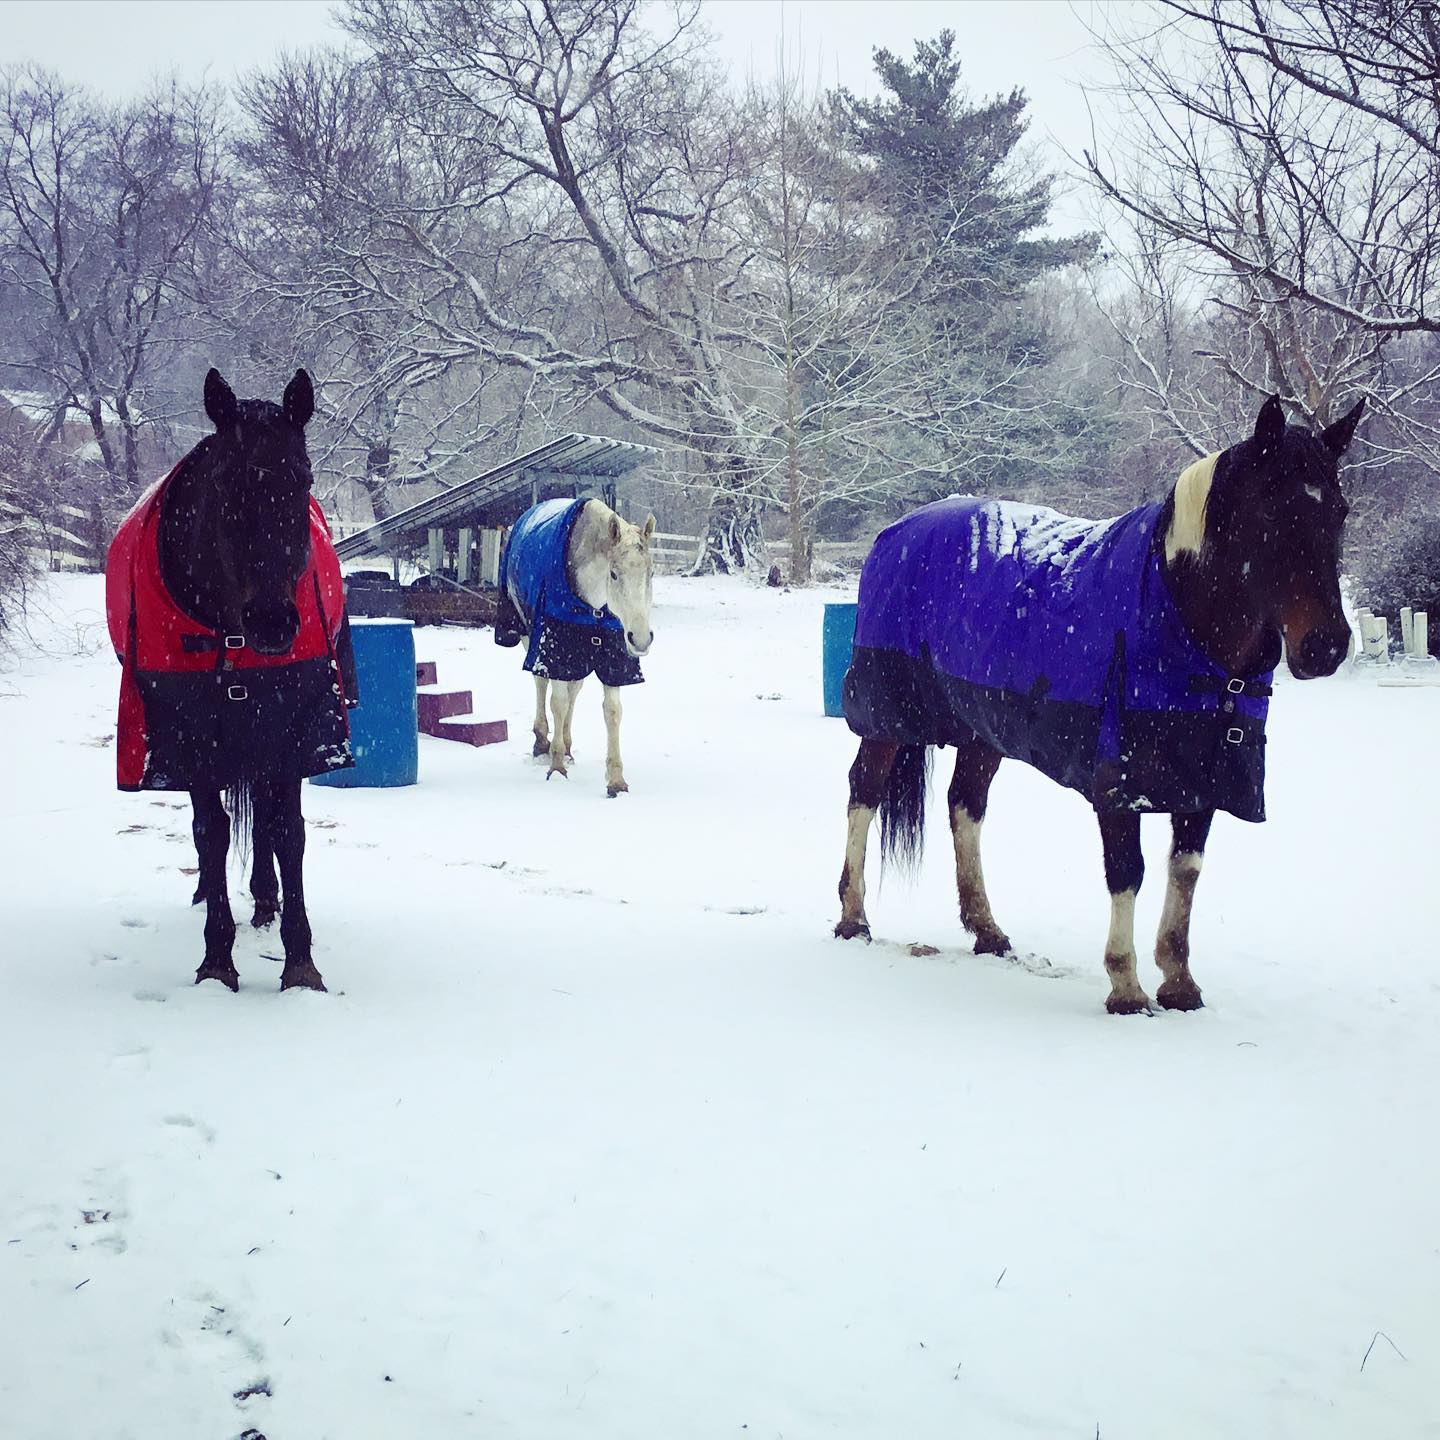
200 709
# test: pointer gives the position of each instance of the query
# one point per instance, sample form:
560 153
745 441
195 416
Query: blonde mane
1187 523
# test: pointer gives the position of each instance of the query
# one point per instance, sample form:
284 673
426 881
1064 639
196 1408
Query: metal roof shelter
572 465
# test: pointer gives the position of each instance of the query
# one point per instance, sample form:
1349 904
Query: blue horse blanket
569 639
1056 641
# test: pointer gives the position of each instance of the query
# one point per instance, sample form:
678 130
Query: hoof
1128 1005
224 972
852 929
992 942
618 788
301 977
559 770
541 747
1180 995
265 914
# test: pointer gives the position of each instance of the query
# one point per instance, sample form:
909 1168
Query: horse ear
1337 436
299 401
1270 424
614 529
648 529
220 402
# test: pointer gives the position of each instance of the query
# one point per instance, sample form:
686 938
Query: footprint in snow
189 1122
153 997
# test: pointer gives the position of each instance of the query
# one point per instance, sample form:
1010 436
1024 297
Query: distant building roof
583 457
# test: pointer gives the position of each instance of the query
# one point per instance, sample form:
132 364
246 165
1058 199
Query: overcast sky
1041 46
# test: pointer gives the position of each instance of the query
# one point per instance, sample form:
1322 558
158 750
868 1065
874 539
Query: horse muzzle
1319 654
271 629
634 645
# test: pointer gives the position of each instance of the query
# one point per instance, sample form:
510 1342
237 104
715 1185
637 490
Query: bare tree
101 208
1299 216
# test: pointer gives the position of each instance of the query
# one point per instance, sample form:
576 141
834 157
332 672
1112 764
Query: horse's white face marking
1315 492
613 568
630 581
1192 492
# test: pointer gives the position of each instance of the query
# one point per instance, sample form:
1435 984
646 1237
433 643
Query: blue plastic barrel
839 642
383 731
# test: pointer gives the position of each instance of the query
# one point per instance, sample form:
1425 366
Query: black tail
902 808
240 802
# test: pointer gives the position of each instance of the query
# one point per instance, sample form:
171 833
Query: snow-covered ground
601 1134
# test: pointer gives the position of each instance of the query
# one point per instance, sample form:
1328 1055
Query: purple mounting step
433 706
426 672
473 732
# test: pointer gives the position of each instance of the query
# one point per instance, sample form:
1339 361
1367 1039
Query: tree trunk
733 538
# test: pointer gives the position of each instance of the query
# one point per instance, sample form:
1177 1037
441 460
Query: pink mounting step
473 732
446 713
435 705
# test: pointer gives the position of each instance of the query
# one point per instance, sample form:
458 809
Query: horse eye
614 574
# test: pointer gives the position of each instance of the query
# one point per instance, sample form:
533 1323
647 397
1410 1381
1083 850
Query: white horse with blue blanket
575 583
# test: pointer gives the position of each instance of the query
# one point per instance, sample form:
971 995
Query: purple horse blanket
1056 641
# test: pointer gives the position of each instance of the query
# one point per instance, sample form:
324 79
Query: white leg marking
1172 944
975 913
1126 996
852 891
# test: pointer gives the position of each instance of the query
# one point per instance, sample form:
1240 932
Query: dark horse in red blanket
226 609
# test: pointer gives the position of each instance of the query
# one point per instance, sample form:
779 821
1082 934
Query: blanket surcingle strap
200 709
1055 640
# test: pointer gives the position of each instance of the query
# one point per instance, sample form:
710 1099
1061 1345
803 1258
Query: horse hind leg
1124 872
1178 990
869 776
561 700
264 887
975 767
542 724
575 686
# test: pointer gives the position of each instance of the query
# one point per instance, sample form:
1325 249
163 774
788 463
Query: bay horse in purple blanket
226 609
1129 659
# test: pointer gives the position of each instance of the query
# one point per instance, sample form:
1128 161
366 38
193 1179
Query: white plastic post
1407 634
437 551
490 555
462 555
1375 632
1420 634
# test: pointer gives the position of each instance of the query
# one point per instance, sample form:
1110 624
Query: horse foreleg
614 768
1178 990
868 777
281 801
975 767
211 829
542 724
560 703
1124 870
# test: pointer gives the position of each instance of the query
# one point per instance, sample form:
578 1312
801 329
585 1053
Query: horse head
260 532
1262 523
629 579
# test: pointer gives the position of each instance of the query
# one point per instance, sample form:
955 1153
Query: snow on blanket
602 1135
